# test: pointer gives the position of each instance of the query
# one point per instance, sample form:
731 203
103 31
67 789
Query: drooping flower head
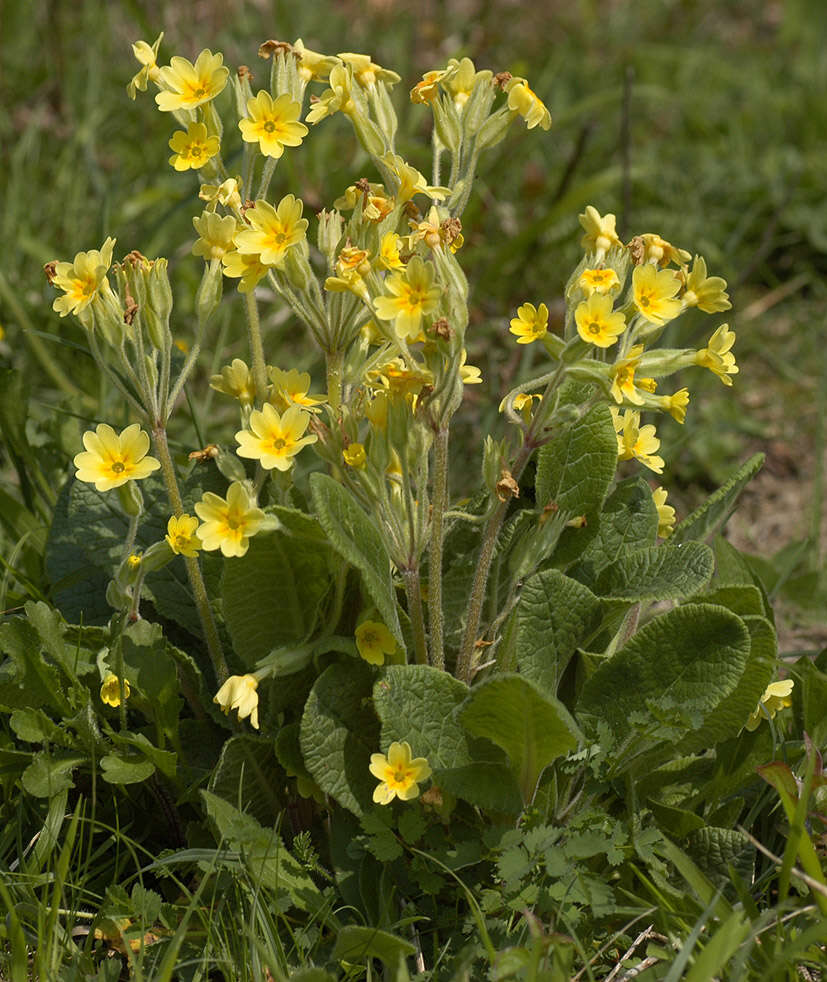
654 293
181 537
81 280
708 293
777 695
274 439
636 441
236 380
338 98
112 459
215 234
523 100
187 86
374 641
461 83
273 124
597 323
292 388
600 231
717 357
530 324
228 524
622 374
193 148
411 181
239 692
146 56
666 513
427 88
226 193
398 773
313 66
111 690
411 294
272 230
366 72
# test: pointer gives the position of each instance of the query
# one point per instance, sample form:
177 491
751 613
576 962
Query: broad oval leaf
664 572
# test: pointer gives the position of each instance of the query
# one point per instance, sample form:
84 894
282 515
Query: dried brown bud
412 212
363 184
244 72
451 228
442 329
577 523
136 258
637 250
131 310
210 452
49 270
501 79
272 47
551 509
507 487
432 798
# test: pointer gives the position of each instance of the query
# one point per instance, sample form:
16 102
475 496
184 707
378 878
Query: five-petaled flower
777 695
273 124
622 375
654 292
186 86
398 773
181 536
81 279
275 439
717 357
598 280
111 690
146 56
530 324
112 459
411 295
239 692
600 231
228 524
354 456
636 441
597 323
193 148
373 639
524 101
272 230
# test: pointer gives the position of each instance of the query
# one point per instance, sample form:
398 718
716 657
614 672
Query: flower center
279 443
645 300
117 467
594 328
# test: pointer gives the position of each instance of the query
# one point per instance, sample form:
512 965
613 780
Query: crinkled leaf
714 850
355 537
532 728
27 680
664 572
248 774
713 514
555 615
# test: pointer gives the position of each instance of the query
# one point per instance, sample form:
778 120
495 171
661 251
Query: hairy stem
256 347
415 612
333 364
438 503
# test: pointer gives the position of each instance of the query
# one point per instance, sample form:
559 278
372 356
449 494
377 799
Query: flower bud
368 134
493 130
479 104
158 305
297 269
447 124
131 499
108 315
209 292
493 455
385 113
331 230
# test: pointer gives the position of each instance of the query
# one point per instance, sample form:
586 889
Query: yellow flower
192 149
228 524
274 440
523 403
654 293
226 193
273 125
215 235
81 280
350 282
187 86
660 252
273 230
427 89
675 404
292 388
111 690
411 182
248 268
717 357
411 295
366 72
389 251
374 640
706 292
399 381
596 323
146 56
636 441
112 459
600 232
666 513
134 560
338 98
351 259
236 380
530 324
523 100
312 65
623 377
181 536
468 374
354 456
398 773
239 692
777 695
462 83
376 205
598 281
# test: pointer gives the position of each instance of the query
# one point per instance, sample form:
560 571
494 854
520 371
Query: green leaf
628 521
714 850
687 660
120 770
339 732
49 774
664 572
248 775
357 944
741 600
355 537
272 594
34 726
417 703
576 468
713 514
27 680
490 785
555 615
532 728
677 822
154 671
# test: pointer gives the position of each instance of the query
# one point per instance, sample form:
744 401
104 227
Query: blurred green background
705 122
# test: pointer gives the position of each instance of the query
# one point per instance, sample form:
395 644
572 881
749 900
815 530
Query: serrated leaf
713 514
412 824
272 594
555 615
576 467
339 732
691 657
247 774
417 703
664 572
356 944
34 726
355 537
121 770
532 728
49 774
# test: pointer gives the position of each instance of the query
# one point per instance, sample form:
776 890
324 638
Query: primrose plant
497 650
